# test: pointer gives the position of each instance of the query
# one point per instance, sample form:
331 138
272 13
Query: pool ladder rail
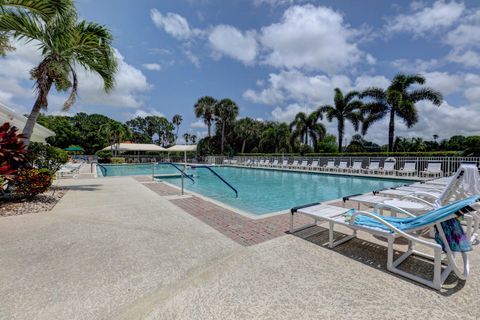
217 175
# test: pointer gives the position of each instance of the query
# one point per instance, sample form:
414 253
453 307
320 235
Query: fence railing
449 164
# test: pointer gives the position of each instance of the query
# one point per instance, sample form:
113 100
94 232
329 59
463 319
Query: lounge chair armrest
393 228
380 206
295 209
419 200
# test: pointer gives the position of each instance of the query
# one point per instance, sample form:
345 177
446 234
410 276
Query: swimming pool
262 191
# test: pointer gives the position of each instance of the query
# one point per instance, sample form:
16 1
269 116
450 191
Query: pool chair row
439 217
409 168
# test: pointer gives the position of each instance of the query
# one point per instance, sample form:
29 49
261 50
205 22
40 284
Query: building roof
182 147
40 133
136 147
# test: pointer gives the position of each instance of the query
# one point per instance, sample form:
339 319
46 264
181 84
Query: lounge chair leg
291 222
390 254
330 235
437 269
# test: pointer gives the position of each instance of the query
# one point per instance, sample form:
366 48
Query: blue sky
274 58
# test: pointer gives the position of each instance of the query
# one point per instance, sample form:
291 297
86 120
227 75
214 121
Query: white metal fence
449 164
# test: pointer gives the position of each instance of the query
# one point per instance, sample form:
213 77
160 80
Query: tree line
306 133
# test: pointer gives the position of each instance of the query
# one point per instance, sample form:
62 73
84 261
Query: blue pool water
263 191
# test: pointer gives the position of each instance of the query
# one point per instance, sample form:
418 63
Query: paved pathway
114 249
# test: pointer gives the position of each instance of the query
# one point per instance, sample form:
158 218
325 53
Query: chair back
267 161
457 188
314 163
304 163
434 166
357 165
261 162
389 166
343 164
295 163
331 164
284 162
374 165
410 166
275 162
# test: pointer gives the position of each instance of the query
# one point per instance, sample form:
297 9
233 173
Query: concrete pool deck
114 249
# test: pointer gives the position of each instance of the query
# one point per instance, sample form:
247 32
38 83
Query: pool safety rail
103 170
217 175
184 174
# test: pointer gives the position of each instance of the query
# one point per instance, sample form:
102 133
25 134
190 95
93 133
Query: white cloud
465 35
276 3
312 38
199 124
173 24
152 66
444 82
427 19
288 113
467 58
145 113
417 65
227 40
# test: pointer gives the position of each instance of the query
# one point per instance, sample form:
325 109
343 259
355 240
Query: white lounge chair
303 165
342 166
266 163
388 168
313 165
274 163
434 169
284 164
372 168
356 167
409 168
293 165
330 166
260 163
69 170
393 228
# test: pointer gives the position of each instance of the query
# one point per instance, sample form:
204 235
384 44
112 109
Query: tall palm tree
115 132
346 107
187 138
275 138
397 100
304 127
64 43
193 139
246 128
177 120
225 112
204 108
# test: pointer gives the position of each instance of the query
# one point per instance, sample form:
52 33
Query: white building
40 133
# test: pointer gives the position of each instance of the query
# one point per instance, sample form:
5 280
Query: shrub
117 160
12 150
45 156
30 182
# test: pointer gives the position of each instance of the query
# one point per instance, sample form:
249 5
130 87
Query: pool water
262 191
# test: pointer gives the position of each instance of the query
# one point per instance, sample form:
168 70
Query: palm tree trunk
223 134
209 125
243 145
176 135
340 134
391 130
33 116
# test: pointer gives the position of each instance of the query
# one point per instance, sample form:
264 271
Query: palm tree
64 43
225 112
187 137
397 100
115 132
193 139
177 120
346 108
275 138
304 126
246 129
204 108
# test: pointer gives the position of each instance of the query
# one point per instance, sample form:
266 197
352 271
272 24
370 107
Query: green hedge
359 154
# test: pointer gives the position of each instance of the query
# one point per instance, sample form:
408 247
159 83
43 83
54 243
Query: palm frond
426 94
46 9
374 93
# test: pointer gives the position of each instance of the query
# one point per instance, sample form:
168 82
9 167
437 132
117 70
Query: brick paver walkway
237 227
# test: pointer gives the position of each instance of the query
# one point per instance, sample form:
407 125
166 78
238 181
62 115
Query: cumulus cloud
145 113
444 82
199 124
173 24
311 38
229 41
424 19
152 66
276 3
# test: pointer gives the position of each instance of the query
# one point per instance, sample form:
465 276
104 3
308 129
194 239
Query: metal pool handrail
102 167
218 176
176 167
